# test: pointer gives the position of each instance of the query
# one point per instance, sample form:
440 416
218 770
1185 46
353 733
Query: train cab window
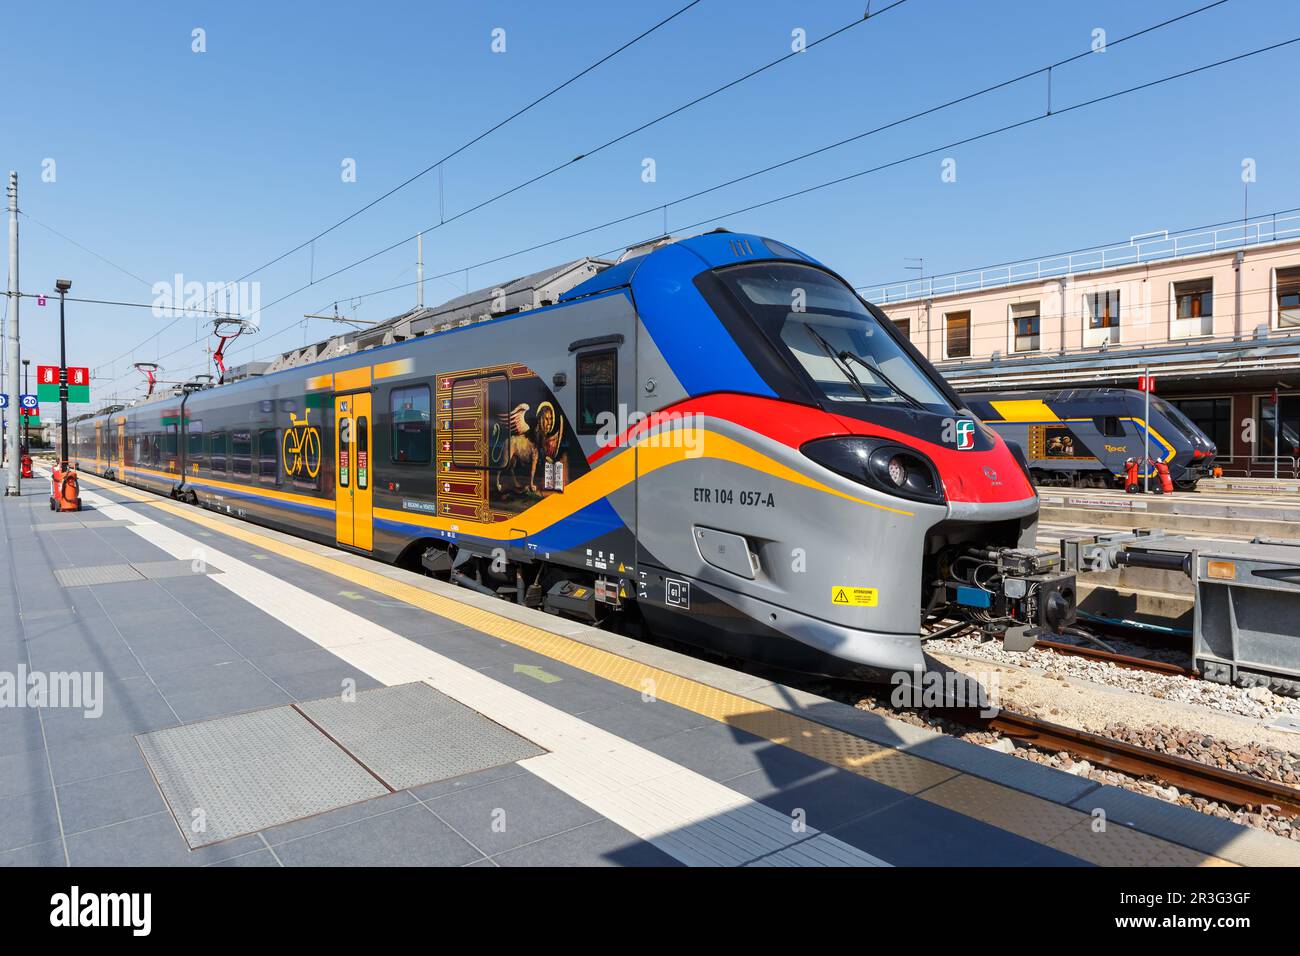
219 447
411 441
821 327
241 452
1109 425
268 461
597 389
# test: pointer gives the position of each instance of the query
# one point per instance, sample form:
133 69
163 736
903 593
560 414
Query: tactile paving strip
97 574
412 734
234 775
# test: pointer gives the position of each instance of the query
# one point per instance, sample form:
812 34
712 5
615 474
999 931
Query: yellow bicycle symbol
301 448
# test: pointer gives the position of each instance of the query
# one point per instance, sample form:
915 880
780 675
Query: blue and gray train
717 440
1082 437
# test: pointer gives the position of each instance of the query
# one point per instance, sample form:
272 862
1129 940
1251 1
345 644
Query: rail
1214 783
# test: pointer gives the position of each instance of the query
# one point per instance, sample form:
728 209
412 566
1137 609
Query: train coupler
1018 594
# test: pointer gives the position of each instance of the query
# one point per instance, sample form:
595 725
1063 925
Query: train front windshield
826 329
1190 429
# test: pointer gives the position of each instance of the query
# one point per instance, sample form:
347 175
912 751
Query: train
714 440
1083 437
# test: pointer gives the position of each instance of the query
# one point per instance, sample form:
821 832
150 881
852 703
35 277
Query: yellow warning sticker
847 596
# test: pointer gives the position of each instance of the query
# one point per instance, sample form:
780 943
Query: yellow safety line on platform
1116 845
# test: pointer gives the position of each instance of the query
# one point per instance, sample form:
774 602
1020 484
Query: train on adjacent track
1083 437
715 440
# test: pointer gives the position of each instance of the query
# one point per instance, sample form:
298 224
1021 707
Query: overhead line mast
12 483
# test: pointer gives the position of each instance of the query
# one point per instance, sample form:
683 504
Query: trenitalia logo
965 434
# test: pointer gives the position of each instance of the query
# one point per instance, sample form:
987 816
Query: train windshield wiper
846 355
840 362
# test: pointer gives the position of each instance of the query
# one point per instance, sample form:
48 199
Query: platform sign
47 384
1146 383
4 400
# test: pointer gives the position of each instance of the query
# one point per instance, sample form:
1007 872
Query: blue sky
209 164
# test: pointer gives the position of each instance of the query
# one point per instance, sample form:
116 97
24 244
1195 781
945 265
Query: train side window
219 461
241 452
597 389
411 442
345 451
1109 425
194 443
363 452
268 462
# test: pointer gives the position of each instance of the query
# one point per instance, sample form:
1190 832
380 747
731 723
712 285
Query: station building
1213 313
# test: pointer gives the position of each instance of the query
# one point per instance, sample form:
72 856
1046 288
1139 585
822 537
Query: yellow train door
353 429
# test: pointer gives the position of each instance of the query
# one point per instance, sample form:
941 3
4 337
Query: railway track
1126 661
1190 776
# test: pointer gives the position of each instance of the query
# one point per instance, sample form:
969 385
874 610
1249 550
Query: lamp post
27 419
63 285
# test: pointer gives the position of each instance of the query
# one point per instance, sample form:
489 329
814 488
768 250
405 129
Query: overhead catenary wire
829 183
759 172
439 162
587 154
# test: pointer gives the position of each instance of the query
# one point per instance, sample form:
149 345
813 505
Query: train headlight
884 465
897 471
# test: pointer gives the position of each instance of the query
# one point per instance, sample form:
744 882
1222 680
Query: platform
265 701
1220 515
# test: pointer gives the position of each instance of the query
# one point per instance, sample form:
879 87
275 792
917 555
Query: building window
597 389
1102 309
904 327
1212 416
1288 297
1194 298
411 441
1193 308
1026 323
958 338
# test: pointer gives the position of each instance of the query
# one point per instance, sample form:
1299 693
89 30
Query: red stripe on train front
968 476
786 422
